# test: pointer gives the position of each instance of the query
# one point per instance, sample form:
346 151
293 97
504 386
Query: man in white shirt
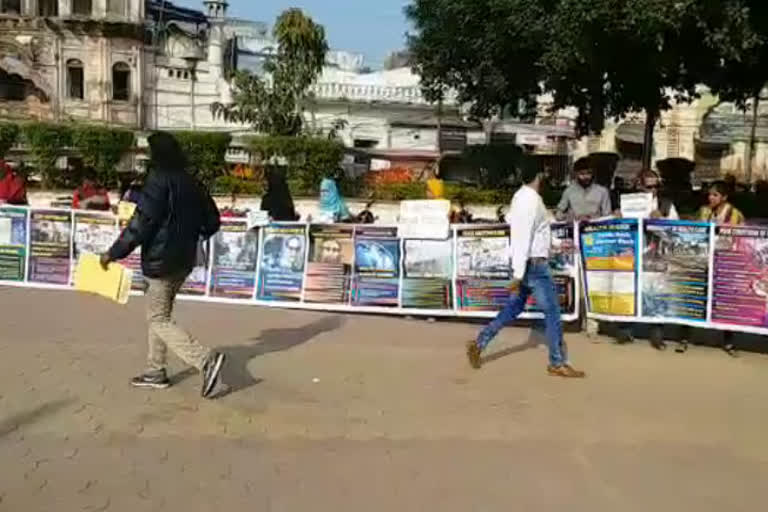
530 242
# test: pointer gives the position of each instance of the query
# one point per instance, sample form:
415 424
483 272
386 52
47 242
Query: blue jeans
537 280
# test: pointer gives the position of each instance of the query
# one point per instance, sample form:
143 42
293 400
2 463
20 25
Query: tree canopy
272 104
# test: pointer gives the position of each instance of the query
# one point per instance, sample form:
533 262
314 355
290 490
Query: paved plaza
325 412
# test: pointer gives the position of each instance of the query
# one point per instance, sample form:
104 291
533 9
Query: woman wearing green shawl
333 208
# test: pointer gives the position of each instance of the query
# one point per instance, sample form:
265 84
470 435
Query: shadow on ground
235 375
30 416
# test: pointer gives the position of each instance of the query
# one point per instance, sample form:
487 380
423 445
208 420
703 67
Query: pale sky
374 28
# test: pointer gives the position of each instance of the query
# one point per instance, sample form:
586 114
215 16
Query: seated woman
277 200
90 195
333 208
719 210
13 186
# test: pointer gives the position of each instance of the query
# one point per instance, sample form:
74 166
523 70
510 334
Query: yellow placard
113 283
125 210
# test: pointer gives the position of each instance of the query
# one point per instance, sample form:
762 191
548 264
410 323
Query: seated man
90 195
13 186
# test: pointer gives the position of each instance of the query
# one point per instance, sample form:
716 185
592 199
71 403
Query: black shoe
624 336
730 349
155 380
657 338
682 347
211 373
473 354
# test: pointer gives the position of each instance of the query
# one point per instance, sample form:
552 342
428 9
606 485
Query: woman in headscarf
333 208
719 210
277 200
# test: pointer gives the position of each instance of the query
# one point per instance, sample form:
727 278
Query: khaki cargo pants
163 332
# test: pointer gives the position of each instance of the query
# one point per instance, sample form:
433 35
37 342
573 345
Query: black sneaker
155 380
211 373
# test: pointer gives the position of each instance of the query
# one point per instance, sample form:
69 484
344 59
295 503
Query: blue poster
676 269
610 254
281 276
377 267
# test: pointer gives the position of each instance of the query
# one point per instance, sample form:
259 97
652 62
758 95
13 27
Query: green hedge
307 159
9 134
46 142
102 149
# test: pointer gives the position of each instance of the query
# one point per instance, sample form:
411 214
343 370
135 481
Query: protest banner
675 271
427 274
329 270
13 244
133 261
196 283
610 252
234 261
50 245
483 273
94 233
283 255
376 279
740 276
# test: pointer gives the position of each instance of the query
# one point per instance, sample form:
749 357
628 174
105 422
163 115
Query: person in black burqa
278 201
173 213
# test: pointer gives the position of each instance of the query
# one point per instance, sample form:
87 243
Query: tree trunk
750 156
651 116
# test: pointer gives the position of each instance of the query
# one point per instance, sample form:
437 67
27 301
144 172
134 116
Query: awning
634 133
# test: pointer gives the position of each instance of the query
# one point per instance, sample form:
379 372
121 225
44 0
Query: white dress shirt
529 223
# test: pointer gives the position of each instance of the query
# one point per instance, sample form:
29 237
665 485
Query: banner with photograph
13 244
675 272
483 271
235 257
428 274
94 233
740 276
329 271
376 280
50 244
281 275
610 253
562 261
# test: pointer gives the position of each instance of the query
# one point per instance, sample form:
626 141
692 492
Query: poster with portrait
50 241
235 253
376 279
428 274
562 262
483 271
281 275
94 233
329 271
610 250
740 276
675 274
13 243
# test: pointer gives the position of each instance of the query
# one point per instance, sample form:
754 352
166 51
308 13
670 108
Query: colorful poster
235 253
197 280
94 234
609 250
133 262
563 266
282 262
13 243
377 267
675 270
49 246
428 272
483 268
331 256
740 276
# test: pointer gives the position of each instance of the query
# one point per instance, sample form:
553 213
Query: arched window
121 82
10 6
116 7
75 80
82 7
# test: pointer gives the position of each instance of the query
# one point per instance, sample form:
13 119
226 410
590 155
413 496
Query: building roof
167 11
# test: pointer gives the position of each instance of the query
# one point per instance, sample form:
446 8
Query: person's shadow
235 376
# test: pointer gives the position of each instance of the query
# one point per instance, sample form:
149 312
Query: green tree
206 152
9 133
273 104
46 143
102 148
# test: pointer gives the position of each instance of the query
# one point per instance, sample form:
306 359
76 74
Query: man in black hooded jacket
172 216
